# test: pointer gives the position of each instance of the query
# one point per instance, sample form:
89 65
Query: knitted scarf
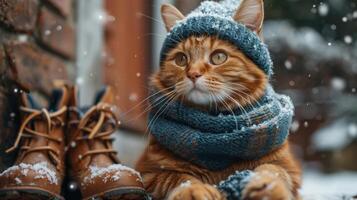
215 140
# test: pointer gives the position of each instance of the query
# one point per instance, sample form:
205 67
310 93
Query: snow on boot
39 169
94 166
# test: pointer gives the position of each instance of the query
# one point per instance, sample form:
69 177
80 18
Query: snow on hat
216 19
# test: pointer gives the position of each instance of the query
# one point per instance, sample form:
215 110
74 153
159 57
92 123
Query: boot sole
121 193
28 193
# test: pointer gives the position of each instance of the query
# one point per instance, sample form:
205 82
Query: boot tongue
28 101
58 99
105 96
73 96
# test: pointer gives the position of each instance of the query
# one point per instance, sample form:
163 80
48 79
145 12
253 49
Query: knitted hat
216 19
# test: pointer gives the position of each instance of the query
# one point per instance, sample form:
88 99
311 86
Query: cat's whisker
148 108
231 90
152 18
214 96
241 107
228 109
252 98
161 110
146 99
164 103
249 98
237 103
158 113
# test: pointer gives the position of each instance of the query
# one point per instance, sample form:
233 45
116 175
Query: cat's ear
251 14
170 15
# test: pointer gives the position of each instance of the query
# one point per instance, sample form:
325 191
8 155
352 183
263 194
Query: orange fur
163 172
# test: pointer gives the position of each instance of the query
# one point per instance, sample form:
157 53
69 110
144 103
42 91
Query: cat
207 72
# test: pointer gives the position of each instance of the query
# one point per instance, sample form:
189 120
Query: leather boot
39 168
94 165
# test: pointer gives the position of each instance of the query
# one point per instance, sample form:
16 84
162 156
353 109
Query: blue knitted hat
216 19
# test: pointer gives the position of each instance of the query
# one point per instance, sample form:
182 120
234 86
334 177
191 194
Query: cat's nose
194 75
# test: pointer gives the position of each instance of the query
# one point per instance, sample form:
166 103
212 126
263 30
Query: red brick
63 6
19 14
34 68
56 33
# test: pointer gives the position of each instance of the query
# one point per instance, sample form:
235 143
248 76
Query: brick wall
37 47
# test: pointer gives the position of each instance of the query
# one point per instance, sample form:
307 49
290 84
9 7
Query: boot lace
91 125
52 119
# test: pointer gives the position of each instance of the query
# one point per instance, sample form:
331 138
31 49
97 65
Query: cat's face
206 71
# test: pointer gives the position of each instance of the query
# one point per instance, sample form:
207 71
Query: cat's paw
266 186
196 191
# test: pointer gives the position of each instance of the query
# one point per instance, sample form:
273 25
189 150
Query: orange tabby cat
215 68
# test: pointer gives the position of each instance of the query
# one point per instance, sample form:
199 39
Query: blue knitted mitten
233 186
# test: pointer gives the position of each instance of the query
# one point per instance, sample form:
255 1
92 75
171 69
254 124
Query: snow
79 80
22 38
306 124
333 27
133 97
313 9
323 9
348 39
12 115
109 173
185 184
223 10
73 186
352 130
288 64
47 32
58 27
41 171
335 136
310 43
295 126
73 144
338 83
292 83
18 180
226 9
337 186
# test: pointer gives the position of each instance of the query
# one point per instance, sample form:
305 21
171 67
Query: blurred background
117 42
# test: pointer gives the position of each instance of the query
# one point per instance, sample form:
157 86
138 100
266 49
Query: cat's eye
181 59
218 57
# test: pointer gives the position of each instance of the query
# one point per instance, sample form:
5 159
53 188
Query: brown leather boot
93 162
39 168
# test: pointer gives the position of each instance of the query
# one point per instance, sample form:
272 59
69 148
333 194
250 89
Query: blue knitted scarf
215 140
